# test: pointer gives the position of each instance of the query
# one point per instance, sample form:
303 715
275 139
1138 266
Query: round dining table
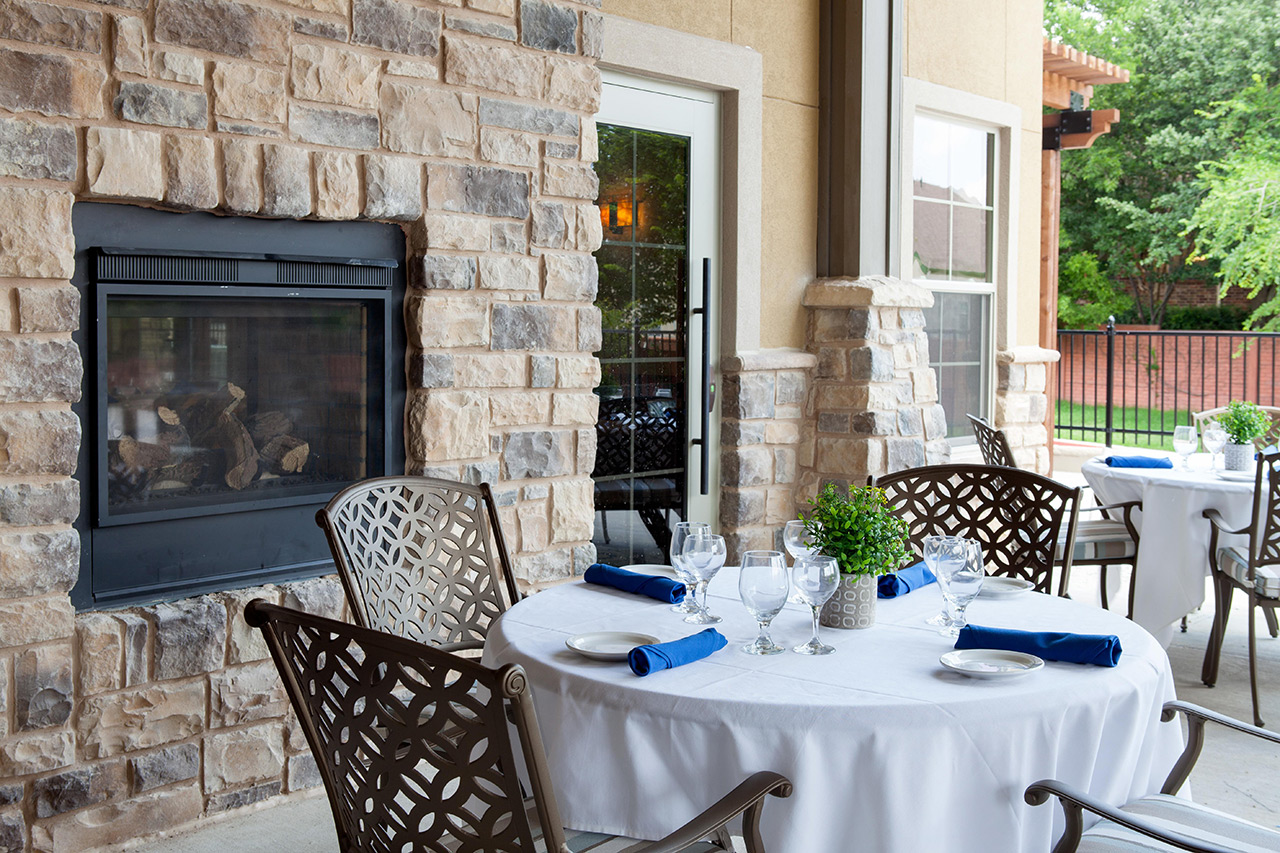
887 749
1173 535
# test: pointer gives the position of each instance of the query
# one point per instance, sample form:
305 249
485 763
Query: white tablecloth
1173 555
888 750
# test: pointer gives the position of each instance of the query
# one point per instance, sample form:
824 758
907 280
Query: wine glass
681 532
815 577
763 587
1184 444
939 550
799 543
961 581
1215 440
704 554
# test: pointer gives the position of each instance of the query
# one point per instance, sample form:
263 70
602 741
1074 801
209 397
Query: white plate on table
1237 476
991 663
652 569
1004 587
608 645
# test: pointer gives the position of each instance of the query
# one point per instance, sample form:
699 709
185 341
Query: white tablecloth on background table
888 750
1173 552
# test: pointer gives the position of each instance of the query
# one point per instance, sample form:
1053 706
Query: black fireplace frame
161 555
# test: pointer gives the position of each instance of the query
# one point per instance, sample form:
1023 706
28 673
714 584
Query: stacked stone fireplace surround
470 123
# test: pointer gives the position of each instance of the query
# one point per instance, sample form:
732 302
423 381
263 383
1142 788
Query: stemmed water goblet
815 577
961 581
1215 440
681 532
704 554
799 543
1184 443
763 587
937 551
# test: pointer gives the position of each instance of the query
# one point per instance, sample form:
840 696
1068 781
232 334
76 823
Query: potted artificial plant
1243 423
866 539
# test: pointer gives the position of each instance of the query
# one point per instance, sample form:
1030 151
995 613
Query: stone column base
1021 404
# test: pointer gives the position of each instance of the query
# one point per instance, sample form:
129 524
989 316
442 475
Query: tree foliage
1086 297
1128 199
1237 223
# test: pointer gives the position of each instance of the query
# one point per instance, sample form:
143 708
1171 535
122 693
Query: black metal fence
1135 386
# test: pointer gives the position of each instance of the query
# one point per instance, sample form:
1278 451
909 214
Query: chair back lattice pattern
416 557
1270 438
1265 539
992 442
1017 516
412 742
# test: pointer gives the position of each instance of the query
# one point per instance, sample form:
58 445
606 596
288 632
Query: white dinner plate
608 645
1238 476
1004 587
991 663
652 569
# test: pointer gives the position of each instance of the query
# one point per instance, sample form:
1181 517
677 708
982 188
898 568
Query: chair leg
1184 624
1133 589
1213 651
1272 627
1253 660
604 524
1102 591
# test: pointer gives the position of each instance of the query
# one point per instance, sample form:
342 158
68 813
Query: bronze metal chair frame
997 500
995 448
380 728
1075 802
1264 550
480 597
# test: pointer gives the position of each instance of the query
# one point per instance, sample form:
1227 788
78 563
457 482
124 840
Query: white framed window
960 195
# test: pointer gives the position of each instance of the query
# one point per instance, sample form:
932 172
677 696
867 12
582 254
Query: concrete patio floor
1236 773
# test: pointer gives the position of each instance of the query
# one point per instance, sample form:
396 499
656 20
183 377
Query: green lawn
1129 418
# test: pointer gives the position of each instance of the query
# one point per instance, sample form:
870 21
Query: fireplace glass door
223 403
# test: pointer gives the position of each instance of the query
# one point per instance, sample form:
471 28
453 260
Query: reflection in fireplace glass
217 400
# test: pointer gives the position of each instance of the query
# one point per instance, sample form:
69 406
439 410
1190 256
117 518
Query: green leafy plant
857 528
1243 422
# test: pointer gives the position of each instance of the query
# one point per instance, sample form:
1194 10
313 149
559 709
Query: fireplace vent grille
141 266
177 269
350 275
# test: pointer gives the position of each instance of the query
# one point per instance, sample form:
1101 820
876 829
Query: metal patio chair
1161 821
1270 438
1254 569
417 558
1017 516
1102 542
414 746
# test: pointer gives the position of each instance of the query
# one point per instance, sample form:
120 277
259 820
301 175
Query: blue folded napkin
1100 649
654 586
647 659
1139 462
904 581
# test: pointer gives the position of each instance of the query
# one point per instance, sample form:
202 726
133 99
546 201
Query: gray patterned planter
853 605
1238 457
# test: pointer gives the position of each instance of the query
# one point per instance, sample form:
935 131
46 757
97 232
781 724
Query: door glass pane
641 434
958 329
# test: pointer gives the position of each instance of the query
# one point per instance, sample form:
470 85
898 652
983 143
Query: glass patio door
657 439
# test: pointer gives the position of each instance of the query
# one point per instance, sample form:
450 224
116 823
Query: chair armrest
746 800
1216 519
1125 505
1074 802
1196 718
462 646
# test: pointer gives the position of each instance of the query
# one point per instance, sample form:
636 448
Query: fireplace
238 373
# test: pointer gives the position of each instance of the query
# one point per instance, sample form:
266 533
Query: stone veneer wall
874 400
763 438
1022 404
470 122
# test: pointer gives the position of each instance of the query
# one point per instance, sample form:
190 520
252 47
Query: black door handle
707 401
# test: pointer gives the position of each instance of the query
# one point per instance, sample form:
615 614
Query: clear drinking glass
960 582
939 550
678 535
704 554
1184 444
1215 440
763 587
798 542
815 577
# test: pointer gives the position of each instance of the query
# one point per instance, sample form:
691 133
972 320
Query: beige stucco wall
786 35
992 50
